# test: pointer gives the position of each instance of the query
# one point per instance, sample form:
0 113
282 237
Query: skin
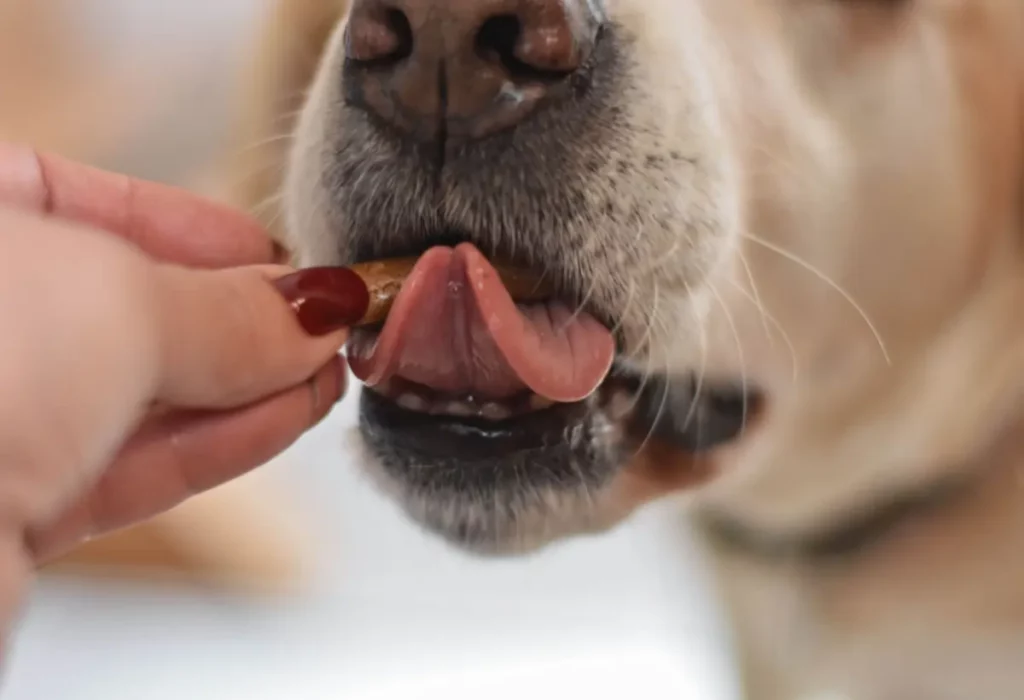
106 416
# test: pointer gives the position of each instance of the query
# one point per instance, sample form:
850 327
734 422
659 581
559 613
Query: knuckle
23 183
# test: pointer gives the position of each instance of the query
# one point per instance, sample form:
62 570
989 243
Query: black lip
438 437
676 412
690 417
438 456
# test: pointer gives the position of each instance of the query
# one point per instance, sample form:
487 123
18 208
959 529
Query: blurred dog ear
286 56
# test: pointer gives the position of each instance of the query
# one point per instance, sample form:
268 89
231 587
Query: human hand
128 381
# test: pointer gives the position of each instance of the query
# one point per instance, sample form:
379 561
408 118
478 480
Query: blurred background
300 582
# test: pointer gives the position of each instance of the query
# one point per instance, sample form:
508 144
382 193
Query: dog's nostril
540 54
399 24
496 40
382 37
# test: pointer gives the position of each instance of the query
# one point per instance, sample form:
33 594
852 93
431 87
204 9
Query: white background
396 615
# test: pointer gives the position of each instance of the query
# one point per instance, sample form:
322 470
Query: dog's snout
464 69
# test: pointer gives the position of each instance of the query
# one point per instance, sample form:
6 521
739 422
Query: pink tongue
455 329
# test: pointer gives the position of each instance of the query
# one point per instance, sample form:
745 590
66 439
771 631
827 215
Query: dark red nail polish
325 299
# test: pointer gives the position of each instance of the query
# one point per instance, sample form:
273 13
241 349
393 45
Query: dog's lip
622 400
626 410
468 439
464 440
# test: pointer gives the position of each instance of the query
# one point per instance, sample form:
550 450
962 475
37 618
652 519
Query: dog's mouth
460 370
458 348
471 395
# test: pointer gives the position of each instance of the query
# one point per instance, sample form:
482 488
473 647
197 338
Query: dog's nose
464 69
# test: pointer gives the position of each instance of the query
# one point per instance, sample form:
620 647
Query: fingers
167 223
15 581
180 455
230 337
139 333
225 341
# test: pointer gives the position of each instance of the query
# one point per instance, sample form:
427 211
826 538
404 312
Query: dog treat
384 279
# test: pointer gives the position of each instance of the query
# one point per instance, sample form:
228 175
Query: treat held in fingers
384 280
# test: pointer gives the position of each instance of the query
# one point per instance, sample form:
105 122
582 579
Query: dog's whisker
756 298
582 304
801 262
588 495
649 369
273 200
702 337
275 219
666 390
263 143
240 177
626 308
652 315
278 102
774 322
739 351
660 261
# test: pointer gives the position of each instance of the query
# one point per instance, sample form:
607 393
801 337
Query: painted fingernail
325 299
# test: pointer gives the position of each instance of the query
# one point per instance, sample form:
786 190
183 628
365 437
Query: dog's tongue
455 329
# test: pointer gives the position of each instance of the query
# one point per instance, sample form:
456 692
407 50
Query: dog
799 224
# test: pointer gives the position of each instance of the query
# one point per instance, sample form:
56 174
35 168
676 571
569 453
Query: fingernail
325 299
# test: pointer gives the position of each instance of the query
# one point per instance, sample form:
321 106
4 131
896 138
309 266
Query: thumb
234 336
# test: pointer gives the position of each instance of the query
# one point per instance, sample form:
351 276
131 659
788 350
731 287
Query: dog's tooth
619 405
362 347
460 409
412 402
539 403
495 411
384 388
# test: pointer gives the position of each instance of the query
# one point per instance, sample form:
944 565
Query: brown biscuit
384 279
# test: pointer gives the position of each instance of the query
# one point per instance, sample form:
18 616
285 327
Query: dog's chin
514 484
497 486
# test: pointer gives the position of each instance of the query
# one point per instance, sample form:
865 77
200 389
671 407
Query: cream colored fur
845 232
